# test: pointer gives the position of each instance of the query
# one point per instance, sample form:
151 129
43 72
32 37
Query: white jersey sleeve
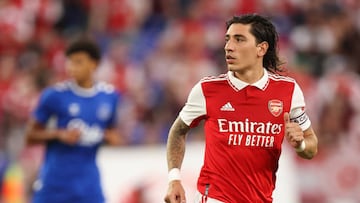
297 110
195 107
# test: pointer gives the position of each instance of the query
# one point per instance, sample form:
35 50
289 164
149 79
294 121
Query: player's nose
229 47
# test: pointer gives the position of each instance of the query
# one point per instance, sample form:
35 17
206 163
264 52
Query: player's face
81 67
241 51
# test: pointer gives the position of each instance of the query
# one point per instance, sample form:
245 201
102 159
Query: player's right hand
70 137
175 193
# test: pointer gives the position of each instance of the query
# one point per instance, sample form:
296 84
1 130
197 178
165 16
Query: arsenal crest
275 107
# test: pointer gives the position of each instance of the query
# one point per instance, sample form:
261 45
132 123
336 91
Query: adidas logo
227 107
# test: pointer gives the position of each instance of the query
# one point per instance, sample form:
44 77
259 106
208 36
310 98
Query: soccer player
82 113
247 111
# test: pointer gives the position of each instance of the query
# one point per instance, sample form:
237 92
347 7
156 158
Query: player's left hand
293 133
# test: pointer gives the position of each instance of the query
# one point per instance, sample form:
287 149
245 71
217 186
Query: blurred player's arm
112 137
37 133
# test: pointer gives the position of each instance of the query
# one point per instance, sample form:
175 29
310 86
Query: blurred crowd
154 51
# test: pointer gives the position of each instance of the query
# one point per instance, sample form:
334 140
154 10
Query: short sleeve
43 111
195 107
297 111
116 100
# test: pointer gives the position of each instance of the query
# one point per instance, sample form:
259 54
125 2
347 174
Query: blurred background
154 51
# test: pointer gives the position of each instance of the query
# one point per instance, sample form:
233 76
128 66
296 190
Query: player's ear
262 48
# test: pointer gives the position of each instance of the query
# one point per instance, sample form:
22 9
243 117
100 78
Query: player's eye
239 39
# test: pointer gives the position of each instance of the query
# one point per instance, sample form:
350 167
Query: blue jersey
69 172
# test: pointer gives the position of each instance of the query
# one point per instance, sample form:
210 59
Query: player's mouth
230 59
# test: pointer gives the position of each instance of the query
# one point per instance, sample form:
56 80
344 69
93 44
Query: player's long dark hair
263 30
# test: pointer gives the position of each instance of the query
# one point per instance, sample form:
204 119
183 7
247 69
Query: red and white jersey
244 130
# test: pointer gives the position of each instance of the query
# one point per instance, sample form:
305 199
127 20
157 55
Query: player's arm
298 130
310 142
176 143
194 109
305 142
175 156
37 133
112 137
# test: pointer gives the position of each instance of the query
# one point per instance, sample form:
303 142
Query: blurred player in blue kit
84 113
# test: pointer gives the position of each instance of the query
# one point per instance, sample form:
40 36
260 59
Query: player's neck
250 75
85 84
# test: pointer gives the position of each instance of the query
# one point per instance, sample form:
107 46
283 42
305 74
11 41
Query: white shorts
200 198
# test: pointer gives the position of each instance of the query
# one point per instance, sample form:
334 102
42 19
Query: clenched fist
293 133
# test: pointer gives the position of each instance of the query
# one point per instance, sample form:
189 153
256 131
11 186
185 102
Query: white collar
83 92
239 84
